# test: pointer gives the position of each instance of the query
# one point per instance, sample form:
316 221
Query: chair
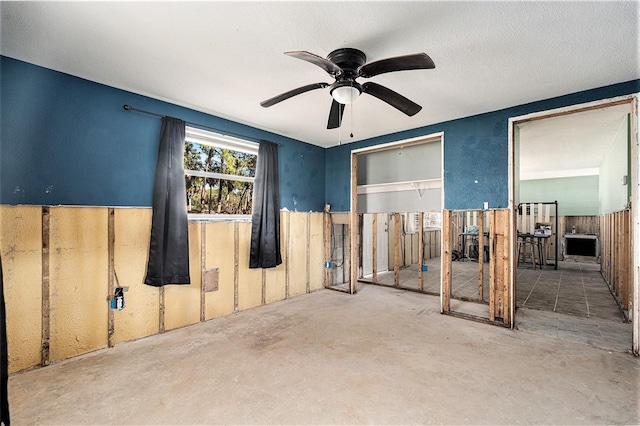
528 250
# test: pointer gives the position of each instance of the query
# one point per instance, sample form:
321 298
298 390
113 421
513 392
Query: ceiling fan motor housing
345 90
348 59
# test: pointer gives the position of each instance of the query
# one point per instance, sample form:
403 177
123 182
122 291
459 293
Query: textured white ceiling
224 58
569 145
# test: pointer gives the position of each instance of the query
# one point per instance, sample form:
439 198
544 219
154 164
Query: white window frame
216 140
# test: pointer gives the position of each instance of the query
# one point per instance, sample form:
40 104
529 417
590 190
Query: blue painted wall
475 149
65 140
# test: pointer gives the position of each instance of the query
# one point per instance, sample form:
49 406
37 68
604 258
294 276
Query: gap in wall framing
630 271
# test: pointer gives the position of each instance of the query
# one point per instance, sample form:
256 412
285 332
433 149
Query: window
219 174
432 220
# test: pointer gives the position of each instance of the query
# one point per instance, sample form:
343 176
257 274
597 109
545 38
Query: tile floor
571 303
574 289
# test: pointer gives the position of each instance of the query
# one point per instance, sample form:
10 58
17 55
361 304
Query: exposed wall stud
345 256
421 251
327 249
374 246
161 310
264 286
308 277
287 277
506 268
492 265
203 267
481 255
396 249
46 296
236 264
353 227
445 297
111 273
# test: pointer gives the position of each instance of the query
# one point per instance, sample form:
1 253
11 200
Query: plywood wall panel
316 251
182 302
249 280
79 276
139 318
21 248
275 278
78 280
220 254
299 245
275 283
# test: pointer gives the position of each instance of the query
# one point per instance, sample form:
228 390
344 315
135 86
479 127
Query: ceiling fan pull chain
351 113
351 118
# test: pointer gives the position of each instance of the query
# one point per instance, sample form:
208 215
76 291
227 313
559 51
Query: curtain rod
222 132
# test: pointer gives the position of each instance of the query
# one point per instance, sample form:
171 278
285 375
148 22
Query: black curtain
265 220
169 245
4 357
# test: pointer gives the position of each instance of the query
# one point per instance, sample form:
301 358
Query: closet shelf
417 185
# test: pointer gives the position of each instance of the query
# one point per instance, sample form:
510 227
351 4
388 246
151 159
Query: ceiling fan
347 64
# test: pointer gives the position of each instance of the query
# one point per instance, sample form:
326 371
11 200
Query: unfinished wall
131 247
615 256
21 245
77 280
409 243
339 249
500 250
59 263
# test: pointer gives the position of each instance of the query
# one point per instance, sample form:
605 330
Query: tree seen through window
219 194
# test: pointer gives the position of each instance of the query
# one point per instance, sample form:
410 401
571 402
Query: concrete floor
464 278
572 302
383 356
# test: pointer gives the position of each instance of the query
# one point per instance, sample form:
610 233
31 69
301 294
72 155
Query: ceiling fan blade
335 115
291 93
323 63
394 99
415 61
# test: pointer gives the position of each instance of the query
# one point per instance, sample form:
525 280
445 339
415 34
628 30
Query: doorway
396 208
572 174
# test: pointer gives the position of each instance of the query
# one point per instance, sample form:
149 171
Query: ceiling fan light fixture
345 94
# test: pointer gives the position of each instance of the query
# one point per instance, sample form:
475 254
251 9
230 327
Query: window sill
203 217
